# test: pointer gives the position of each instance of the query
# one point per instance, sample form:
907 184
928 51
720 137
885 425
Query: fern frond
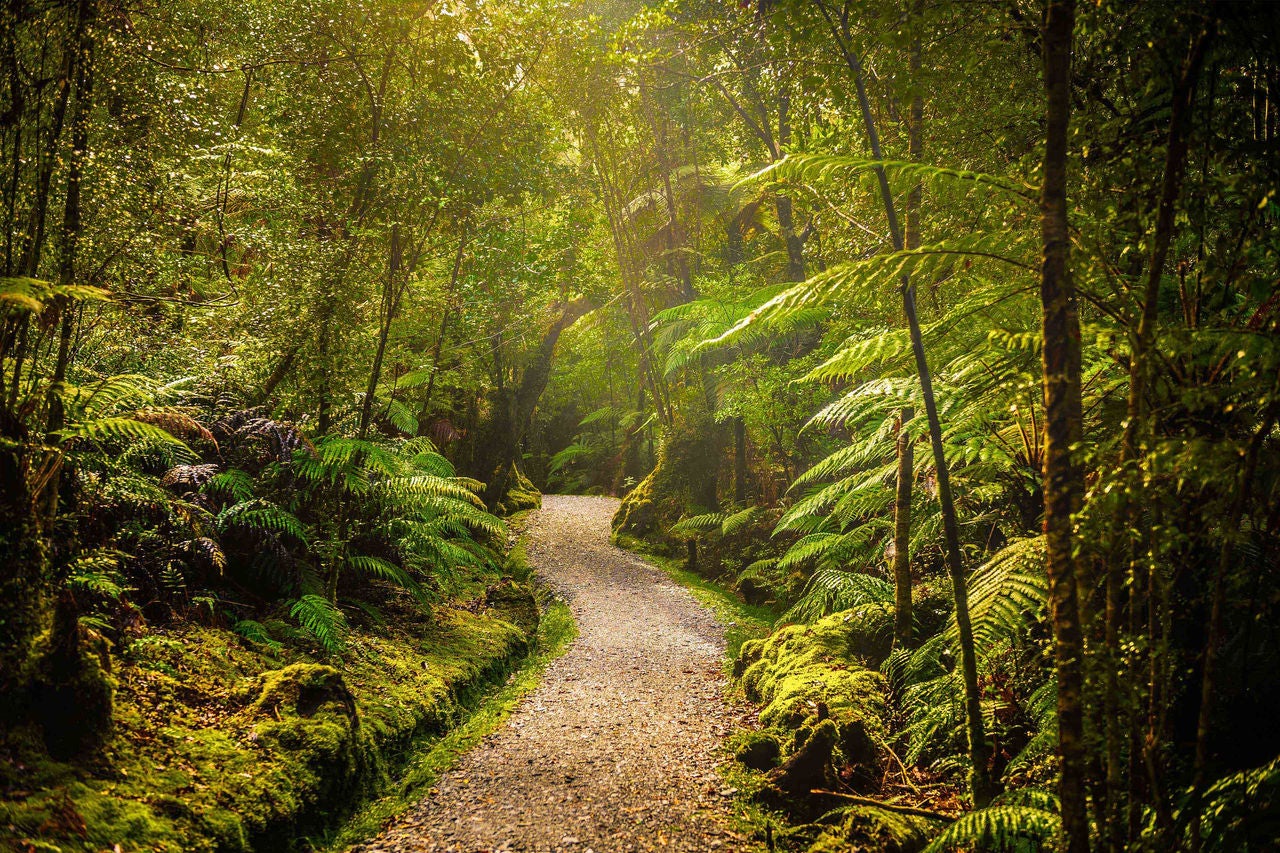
318 616
698 524
1012 828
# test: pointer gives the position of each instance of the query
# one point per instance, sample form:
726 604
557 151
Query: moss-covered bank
222 746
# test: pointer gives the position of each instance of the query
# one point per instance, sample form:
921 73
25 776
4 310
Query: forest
938 341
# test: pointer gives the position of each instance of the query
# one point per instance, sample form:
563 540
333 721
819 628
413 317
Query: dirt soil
617 749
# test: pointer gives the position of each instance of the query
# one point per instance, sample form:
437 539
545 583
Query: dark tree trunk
1144 344
513 410
1063 478
902 610
903 632
390 301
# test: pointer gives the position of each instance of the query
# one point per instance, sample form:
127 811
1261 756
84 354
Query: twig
893 807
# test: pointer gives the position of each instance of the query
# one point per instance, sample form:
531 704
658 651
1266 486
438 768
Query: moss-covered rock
639 512
71 685
758 750
683 481
821 702
515 603
872 828
522 495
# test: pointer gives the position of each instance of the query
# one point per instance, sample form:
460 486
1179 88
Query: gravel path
616 749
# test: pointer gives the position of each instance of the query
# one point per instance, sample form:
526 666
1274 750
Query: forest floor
618 748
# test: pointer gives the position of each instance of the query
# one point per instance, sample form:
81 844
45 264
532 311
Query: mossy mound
872 828
683 481
821 703
522 495
515 603
640 513
219 746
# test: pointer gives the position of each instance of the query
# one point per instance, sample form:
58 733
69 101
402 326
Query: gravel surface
617 748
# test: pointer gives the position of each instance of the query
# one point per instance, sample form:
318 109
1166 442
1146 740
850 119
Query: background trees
291 289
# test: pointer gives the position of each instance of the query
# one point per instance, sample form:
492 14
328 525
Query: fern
262 515
232 483
322 620
698 524
1017 829
739 521
257 633
831 590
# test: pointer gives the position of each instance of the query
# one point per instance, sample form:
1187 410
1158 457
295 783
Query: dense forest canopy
965 312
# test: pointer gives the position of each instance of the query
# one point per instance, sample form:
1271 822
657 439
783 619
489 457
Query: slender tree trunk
425 411
903 631
390 301
282 368
982 786
739 462
1063 478
1140 366
902 610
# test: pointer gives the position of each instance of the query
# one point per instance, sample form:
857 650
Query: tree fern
830 590
261 514
1016 829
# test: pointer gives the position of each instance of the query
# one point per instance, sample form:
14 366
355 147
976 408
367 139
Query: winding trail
616 749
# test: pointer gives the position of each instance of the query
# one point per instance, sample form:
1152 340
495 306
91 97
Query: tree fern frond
831 590
739 521
1012 828
698 524
261 514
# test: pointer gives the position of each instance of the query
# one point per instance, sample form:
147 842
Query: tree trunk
1215 631
508 430
902 610
1140 365
982 786
739 462
390 301
425 411
1063 478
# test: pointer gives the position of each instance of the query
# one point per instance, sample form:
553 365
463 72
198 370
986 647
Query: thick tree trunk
1063 478
514 410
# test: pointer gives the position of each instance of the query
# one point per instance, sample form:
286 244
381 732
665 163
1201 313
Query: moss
637 515
683 480
757 750
515 603
219 747
872 828
432 753
821 702
522 495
